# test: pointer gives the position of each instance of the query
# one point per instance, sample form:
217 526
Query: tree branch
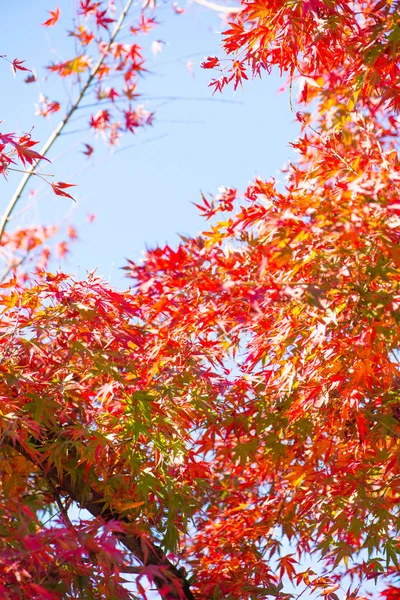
171 583
18 192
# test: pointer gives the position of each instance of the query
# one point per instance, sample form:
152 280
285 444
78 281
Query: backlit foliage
237 413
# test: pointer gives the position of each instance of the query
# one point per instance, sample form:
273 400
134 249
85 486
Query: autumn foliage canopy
231 426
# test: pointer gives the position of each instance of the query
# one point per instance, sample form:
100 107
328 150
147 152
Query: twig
18 192
63 510
335 154
10 335
142 547
11 266
172 99
30 172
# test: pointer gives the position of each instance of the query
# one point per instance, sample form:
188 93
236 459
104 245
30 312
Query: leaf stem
32 172
18 192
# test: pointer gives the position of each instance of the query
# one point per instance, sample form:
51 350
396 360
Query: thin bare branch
170 581
18 192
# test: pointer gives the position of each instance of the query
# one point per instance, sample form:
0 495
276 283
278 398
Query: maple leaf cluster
237 412
99 57
13 147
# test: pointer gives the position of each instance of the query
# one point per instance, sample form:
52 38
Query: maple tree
237 413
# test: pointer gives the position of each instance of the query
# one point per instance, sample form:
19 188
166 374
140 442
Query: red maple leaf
391 593
25 154
144 26
102 20
100 120
59 187
219 83
89 150
17 65
84 36
88 7
210 62
55 15
30 78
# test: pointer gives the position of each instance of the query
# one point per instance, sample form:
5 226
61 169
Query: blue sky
143 193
